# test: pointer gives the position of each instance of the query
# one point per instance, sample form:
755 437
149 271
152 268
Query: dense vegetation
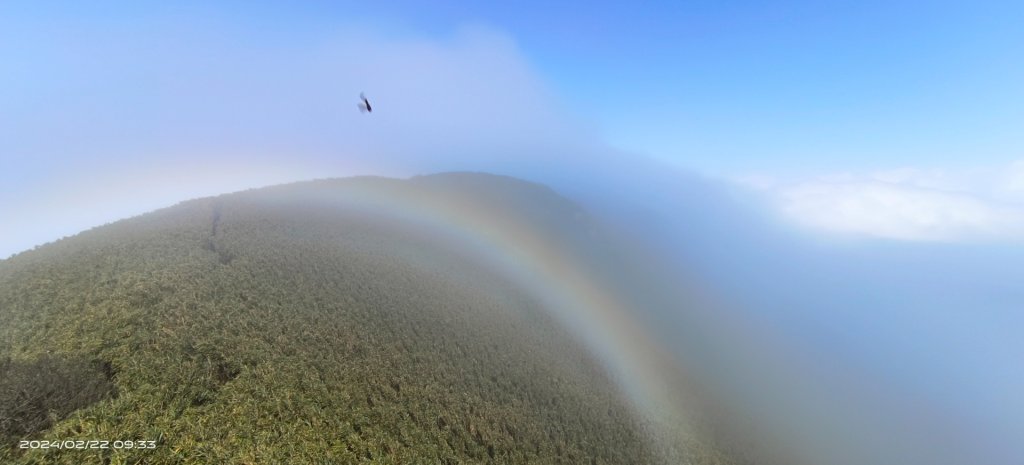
33 393
280 326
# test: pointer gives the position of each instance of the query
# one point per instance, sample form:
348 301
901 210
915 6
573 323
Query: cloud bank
976 205
174 108
871 352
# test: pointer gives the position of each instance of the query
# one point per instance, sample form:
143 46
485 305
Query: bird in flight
365 104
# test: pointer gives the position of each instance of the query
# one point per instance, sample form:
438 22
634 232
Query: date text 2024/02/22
91 444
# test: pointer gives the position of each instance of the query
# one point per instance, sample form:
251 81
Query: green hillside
281 326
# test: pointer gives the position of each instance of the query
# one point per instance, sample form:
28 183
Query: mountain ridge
288 324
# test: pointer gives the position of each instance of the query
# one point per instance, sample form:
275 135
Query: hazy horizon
847 180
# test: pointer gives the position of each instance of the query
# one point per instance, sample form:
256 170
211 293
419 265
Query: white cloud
227 105
1012 182
983 204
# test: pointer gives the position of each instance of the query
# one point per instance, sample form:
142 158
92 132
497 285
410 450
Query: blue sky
875 119
739 85
851 173
724 86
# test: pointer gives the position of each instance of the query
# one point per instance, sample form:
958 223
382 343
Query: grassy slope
263 328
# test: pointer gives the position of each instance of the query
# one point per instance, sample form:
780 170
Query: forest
281 325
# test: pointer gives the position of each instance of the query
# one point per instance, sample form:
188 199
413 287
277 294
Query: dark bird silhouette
365 104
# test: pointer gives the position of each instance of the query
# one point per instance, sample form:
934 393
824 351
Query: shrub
34 394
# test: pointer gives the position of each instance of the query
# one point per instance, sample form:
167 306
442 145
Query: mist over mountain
331 321
806 219
849 349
